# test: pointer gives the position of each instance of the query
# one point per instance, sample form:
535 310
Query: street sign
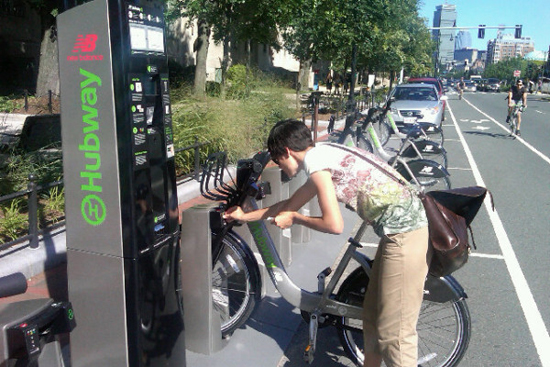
517 73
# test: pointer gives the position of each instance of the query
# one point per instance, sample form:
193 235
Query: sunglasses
275 160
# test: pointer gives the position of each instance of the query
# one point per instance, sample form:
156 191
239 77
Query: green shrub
12 222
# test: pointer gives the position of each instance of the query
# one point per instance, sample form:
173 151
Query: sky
534 15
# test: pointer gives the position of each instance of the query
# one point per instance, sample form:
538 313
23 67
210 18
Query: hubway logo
92 206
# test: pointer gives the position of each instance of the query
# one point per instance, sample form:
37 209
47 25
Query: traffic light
481 31
518 31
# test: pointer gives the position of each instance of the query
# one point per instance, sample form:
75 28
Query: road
506 277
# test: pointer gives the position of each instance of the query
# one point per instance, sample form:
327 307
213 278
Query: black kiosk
121 200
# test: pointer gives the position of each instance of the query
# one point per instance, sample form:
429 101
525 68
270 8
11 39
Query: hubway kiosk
121 202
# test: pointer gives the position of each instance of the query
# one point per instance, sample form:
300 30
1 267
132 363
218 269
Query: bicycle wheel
434 133
429 174
384 131
444 326
513 125
426 149
364 144
236 283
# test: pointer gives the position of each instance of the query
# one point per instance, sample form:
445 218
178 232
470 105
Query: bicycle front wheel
444 327
384 131
236 283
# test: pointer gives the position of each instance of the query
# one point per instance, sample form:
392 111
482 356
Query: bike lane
507 325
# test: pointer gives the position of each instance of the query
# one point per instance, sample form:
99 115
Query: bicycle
426 174
517 108
444 325
417 131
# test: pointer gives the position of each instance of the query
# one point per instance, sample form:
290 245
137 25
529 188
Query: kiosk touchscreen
119 175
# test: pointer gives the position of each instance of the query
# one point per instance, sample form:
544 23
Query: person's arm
524 98
304 194
510 97
330 221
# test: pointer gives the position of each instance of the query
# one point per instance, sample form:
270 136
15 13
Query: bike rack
202 323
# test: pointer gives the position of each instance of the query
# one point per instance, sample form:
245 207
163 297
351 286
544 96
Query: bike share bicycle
444 323
422 165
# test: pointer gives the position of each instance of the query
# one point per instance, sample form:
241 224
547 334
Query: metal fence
33 189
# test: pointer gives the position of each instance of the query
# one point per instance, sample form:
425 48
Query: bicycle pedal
309 354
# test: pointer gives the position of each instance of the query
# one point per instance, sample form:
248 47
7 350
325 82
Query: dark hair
292 134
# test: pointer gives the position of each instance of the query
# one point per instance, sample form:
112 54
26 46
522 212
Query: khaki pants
394 296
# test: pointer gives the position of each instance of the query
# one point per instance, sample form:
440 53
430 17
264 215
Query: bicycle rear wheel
236 283
444 325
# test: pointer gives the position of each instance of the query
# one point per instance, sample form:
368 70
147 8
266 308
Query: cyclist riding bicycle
460 86
336 174
517 96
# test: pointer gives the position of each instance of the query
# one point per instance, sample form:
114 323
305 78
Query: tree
235 21
48 74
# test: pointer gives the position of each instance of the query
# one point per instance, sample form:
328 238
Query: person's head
519 83
288 135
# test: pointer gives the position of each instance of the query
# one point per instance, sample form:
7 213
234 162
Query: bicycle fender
444 289
427 168
425 147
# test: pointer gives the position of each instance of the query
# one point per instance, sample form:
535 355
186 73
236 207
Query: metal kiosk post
120 188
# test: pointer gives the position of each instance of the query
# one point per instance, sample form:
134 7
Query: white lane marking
518 138
535 322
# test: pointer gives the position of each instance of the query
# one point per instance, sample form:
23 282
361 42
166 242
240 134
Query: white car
416 103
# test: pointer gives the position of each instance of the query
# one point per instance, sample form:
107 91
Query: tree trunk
48 69
201 48
303 74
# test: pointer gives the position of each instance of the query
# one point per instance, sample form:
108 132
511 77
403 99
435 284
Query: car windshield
415 94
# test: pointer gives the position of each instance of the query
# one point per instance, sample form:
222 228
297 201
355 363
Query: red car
434 81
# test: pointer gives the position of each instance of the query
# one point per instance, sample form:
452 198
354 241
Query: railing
32 200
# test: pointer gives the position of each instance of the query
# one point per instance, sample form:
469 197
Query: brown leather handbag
450 213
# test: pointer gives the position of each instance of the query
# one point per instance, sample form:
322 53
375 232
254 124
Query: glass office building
444 16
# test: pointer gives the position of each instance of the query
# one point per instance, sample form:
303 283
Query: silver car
417 103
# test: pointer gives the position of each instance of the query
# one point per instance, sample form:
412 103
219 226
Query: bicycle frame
301 298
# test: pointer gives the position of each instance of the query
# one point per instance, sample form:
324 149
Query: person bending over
335 174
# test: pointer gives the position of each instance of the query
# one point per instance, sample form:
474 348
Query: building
505 46
467 53
463 40
444 16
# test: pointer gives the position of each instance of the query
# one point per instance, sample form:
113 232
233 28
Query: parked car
436 83
417 102
492 85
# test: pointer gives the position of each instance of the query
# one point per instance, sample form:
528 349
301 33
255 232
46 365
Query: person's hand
233 213
284 220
